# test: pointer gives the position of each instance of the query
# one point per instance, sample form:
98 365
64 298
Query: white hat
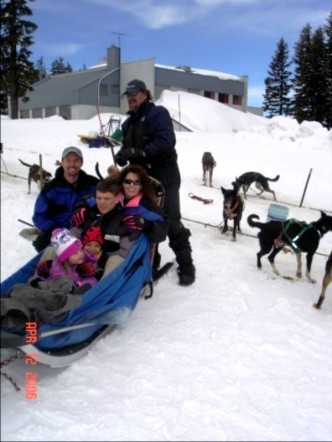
72 149
65 244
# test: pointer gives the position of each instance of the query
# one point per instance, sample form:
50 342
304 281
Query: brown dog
326 281
36 175
208 164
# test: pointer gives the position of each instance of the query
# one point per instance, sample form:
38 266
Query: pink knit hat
65 244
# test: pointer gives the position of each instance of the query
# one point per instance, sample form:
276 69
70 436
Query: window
223 98
49 111
37 113
208 94
103 90
237 99
65 112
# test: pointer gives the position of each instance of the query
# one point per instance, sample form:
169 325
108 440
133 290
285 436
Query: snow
239 355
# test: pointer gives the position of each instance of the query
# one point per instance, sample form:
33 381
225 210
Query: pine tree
41 68
278 84
320 74
17 72
328 45
58 67
303 78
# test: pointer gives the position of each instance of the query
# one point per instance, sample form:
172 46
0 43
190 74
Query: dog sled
110 134
104 306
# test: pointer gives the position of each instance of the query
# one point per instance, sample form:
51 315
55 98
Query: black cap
134 87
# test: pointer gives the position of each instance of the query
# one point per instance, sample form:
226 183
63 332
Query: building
76 95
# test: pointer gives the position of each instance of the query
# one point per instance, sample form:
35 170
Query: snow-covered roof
221 75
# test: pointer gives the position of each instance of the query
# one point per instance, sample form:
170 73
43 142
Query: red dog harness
198 198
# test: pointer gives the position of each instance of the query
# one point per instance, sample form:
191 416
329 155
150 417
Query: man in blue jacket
149 139
56 201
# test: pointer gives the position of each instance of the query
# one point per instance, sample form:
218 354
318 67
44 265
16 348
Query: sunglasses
134 182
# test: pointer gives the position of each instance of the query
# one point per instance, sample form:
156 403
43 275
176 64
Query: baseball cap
135 86
72 149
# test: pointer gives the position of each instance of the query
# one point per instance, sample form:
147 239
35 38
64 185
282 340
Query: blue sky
237 37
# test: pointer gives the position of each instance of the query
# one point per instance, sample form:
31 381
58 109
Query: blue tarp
108 302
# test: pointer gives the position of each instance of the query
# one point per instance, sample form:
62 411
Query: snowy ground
239 355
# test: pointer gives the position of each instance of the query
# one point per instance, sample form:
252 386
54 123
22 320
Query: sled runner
104 306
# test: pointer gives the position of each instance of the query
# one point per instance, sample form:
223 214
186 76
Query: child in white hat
71 261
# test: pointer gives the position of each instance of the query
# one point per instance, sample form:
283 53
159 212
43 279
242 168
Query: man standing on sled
149 140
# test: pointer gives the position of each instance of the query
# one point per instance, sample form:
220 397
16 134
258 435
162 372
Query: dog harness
292 241
198 198
231 212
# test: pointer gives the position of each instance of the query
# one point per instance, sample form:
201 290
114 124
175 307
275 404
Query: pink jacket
58 270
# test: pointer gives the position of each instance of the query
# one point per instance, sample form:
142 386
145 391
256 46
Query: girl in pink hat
71 260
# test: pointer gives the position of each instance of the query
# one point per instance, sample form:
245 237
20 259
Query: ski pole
25 222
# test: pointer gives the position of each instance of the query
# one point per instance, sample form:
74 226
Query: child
92 240
71 261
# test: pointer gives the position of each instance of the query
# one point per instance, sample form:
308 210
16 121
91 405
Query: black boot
187 274
186 269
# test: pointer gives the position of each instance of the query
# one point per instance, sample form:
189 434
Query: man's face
106 201
71 164
134 101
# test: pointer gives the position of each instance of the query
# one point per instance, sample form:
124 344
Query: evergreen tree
303 78
17 72
320 75
58 67
328 45
278 84
41 68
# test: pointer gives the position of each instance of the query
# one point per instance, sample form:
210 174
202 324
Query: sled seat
104 306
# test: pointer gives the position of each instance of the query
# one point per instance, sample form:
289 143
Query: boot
187 274
186 269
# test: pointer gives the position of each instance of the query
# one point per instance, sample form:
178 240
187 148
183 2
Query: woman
141 212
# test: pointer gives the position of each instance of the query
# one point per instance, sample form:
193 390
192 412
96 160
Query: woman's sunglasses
134 182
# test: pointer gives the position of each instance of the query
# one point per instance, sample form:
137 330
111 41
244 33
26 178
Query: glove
78 217
86 269
134 222
43 268
129 154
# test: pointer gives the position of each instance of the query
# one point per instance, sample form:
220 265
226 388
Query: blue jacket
150 130
55 203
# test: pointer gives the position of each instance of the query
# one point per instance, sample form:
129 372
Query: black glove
43 268
86 269
129 154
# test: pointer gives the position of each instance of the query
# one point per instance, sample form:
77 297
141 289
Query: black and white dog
232 209
301 237
36 174
208 164
262 182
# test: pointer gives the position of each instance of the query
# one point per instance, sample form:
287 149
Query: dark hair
109 184
148 189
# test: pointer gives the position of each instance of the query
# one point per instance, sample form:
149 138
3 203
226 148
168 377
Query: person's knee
42 241
179 238
112 263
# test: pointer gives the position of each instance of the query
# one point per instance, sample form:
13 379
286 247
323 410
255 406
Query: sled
110 134
104 306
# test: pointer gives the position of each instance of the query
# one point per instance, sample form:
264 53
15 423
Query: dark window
65 112
37 113
223 98
49 111
103 90
208 94
237 99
